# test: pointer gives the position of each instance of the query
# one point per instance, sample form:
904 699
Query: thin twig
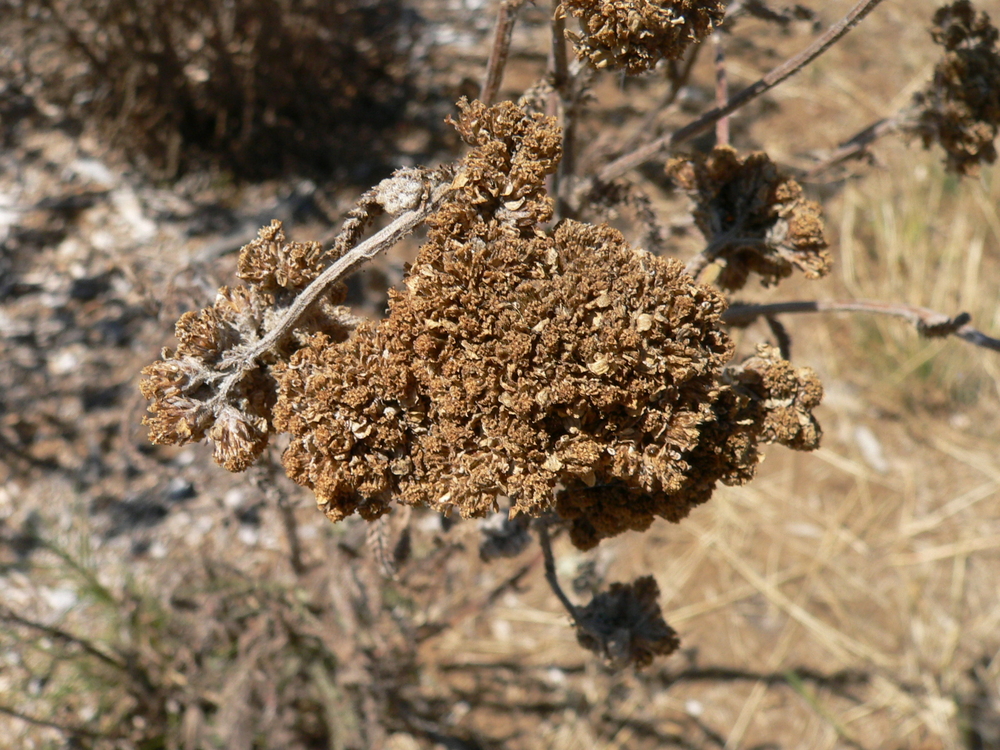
701 261
264 477
561 104
928 322
246 360
721 90
679 75
776 76
40 722
9 615
506 18
550 568
857 144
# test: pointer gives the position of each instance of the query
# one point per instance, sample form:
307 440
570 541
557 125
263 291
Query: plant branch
678 73
244 360
550 568
561 104
263 476
9 615
48 723
700 262
858 143
776 76
929 323
721 90
506 18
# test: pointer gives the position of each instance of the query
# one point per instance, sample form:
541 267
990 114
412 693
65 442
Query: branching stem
928 322
858 143
9 615
247 359
776 76
49 724
721 89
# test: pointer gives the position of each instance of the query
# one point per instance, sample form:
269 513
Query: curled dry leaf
634 35
960 107
754 218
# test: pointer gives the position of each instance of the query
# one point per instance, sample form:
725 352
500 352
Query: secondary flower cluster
960 108
625 626
634 35
753 217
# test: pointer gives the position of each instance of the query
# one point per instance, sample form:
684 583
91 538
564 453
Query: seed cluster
625 625
960 108
182 385
754 218
634 35
563 370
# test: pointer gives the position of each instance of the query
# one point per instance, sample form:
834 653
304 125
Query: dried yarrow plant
532 361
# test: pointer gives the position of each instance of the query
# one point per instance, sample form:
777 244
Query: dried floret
634 35
559 369
753 217
625 626
270 263
785 394
503 176
960 108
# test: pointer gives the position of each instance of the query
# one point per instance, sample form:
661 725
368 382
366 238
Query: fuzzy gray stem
404 224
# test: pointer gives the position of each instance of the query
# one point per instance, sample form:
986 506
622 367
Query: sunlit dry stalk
721 90
777 75
928 322
855 146
506 18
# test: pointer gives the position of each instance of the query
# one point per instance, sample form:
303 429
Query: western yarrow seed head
634 35
559 369
754 218
960 107
552 369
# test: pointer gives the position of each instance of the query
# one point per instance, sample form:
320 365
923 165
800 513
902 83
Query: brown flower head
625 626
562 369
634 35
271 264
784 395
753 217
960 108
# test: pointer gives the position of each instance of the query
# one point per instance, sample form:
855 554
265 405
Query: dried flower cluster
753 217
190 397
559 369
634 35
960 108
625 626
